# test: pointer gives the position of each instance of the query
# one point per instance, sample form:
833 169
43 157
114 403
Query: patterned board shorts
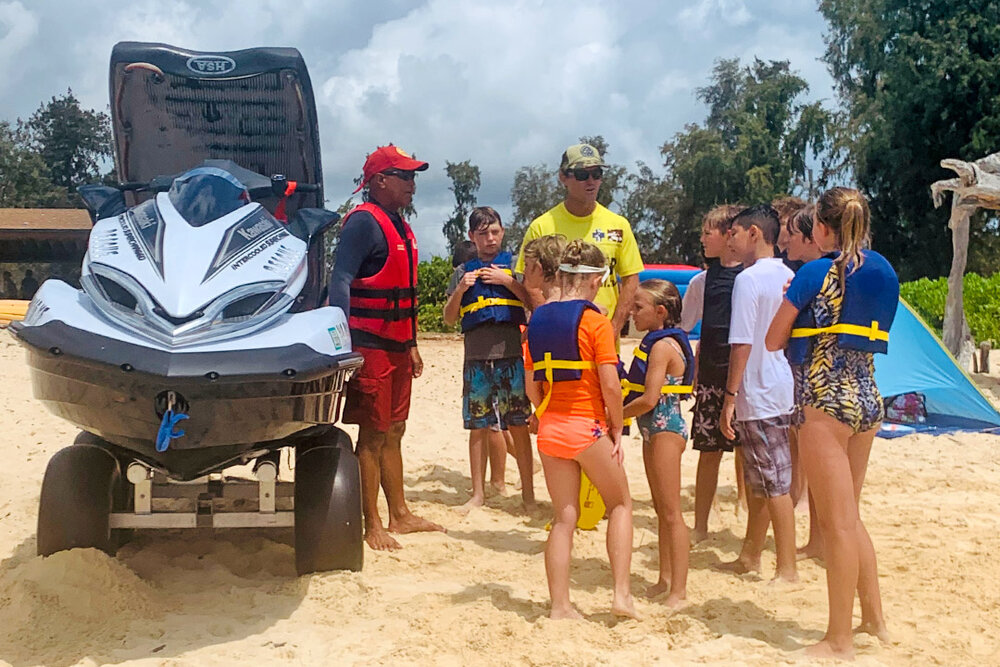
665 417
493 394
767 459
705 433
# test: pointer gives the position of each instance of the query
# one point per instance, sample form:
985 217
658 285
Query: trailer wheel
77 497
328 520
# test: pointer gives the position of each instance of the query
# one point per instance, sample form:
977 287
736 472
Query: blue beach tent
918 362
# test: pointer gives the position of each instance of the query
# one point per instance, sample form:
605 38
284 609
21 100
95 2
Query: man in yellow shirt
580 216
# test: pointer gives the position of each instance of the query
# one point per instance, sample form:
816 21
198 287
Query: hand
491 275
468 280
784 290
533 424
418 363
726 418
617 453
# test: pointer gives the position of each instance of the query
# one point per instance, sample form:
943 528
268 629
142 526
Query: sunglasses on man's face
596 173
402 175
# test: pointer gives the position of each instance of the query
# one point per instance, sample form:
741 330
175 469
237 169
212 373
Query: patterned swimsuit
838 381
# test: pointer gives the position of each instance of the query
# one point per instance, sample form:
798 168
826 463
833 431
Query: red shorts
379 393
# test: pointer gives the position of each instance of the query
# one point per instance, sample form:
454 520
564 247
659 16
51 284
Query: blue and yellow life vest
554 346
871 296
634 384
483 302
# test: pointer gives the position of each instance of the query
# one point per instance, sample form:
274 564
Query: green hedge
432 285
982 303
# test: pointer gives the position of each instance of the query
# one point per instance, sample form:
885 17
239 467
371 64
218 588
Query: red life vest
385 304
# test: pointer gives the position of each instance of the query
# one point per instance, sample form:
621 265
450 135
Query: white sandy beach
477 595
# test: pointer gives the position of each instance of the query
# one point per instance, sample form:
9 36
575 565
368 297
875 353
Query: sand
477 595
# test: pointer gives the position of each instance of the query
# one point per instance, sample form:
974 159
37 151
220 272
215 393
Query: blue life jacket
554 345
483 302
634 384
871 296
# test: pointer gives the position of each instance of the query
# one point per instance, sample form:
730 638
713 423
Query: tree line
915 83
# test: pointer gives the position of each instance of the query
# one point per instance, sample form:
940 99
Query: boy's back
767 389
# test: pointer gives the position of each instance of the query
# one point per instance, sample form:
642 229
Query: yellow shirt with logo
609 231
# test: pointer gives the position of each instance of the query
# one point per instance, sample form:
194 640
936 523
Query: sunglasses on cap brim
596 173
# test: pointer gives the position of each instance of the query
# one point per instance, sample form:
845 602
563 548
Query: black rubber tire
78 493
328 521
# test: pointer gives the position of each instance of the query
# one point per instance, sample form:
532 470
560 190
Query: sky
503 84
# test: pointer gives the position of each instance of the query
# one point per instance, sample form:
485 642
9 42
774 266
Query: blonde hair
579 252
845 212
547 251
665 294
721 217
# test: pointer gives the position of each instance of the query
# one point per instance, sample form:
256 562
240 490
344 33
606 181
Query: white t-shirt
767 389
693 303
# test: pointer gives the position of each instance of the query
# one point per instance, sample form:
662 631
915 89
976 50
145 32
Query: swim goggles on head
584 268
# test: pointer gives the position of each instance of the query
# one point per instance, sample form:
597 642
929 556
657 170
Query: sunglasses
596 173
402 175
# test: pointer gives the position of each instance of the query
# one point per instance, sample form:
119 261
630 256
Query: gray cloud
503 85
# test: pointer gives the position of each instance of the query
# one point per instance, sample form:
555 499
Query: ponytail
845 212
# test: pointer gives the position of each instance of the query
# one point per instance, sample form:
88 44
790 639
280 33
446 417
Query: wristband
730 393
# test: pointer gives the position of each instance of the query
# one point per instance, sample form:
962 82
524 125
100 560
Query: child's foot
698 536
565 613
474 502
740 566
659 588
875 629
498 488
784 578
624 607
810 550
676 600
529 504
825 651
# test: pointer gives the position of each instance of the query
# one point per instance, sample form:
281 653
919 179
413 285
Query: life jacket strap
483 302
548 364
666 389
871 333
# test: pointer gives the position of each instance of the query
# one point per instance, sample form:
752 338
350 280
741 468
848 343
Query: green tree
24 181
758 142
918 82
465 182
72 141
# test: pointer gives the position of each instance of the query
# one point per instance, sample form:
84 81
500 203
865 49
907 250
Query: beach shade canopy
680 275
919 363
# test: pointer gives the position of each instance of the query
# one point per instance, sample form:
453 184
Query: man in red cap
375 282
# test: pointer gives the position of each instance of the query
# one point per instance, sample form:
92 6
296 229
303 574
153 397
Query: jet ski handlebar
277 186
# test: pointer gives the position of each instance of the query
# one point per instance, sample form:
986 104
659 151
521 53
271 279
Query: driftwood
977 186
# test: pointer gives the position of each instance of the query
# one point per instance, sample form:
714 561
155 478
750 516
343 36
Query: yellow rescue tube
591 504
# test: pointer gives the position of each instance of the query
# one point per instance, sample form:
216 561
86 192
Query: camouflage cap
581 155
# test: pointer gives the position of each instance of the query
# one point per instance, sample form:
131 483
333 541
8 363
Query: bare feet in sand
498 488
739 566
624 608
810 550
471 504
411 523
878 630
824 650
782 580
657 589
698 536
569 613
379 540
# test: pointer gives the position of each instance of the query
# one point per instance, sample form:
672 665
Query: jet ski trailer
199 341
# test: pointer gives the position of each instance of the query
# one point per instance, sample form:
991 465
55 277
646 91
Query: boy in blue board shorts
484 295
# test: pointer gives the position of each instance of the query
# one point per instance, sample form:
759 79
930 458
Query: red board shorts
379 394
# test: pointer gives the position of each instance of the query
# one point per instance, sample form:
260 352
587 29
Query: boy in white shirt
760 392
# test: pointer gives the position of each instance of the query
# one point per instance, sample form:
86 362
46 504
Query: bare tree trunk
955 326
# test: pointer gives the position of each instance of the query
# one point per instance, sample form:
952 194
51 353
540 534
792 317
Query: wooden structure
48 242
977 186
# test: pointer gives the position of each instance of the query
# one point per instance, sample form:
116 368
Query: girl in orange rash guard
573 382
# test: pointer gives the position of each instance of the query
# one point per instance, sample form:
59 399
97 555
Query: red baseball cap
388 157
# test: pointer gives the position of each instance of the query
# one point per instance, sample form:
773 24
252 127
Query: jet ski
197 341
